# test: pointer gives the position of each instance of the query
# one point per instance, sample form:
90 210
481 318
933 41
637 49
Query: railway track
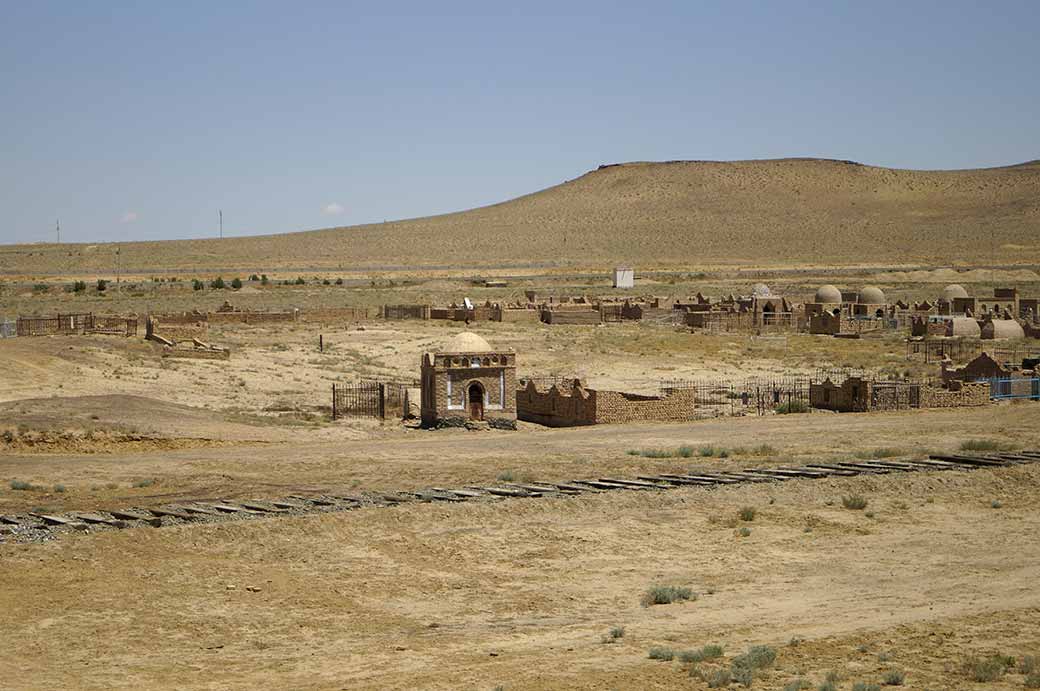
40 526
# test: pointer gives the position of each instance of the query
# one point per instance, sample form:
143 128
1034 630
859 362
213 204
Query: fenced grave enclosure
371 399
961 350
1009 389
76 324
748 397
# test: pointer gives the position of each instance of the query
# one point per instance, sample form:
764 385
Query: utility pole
57 228
220 213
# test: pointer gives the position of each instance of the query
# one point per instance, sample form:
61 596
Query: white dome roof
828 294
871 295
954 290
760 290
467 342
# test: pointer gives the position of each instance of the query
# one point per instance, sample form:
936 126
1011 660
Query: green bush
792 407
748 513
300 281
1033 681
744 532
263 279
236 283
719 679
22 485
864 686
60 489
102 285
197 284
756 657
253 278
339 281
79 287
666 595
217 283
798 685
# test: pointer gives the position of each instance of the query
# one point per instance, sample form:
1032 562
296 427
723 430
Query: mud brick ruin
858 394
467 383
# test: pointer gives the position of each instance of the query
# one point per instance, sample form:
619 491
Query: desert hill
672 214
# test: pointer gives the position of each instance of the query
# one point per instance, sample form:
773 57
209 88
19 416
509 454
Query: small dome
1003 328
871 295
467 342
954 290
828 294
760 290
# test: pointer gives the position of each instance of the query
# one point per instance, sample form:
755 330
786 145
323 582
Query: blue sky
140 120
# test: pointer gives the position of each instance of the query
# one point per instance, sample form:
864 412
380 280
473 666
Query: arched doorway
476 401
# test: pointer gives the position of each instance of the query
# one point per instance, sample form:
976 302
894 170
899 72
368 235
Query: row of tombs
469 382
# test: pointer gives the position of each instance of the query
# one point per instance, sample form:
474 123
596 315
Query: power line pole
57 228
220 213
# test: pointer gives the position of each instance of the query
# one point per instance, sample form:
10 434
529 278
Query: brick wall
958 396
574 405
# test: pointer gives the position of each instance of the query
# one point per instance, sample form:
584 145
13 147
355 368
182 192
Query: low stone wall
252 317
959 395
197 353
527 316
178 331
585 316
614 407
334 314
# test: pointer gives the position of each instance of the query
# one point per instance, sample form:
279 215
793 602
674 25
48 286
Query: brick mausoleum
467 382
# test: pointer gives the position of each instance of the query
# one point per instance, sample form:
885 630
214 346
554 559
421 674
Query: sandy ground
519 594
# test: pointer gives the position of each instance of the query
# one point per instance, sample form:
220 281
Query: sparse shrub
708 652
869 514
506 476
217 283
102 285
300 281
894 677
253 278
983 445
1033 681
264 280
196 284
707 451
855 502
60 489
745 676
236 283
41 288
756 657
995 504
79 287
1028 665
145 483
792 407
864 686
744 532
882 452
763 450
986 669
797 685
684 451
616 633
666 594
339 281
661 653
719 679
827 685
748 513
21 485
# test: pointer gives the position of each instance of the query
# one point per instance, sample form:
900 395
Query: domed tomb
468 382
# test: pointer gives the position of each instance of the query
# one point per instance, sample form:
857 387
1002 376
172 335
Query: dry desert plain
934 575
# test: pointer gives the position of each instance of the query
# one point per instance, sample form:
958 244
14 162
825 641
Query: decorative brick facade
468 382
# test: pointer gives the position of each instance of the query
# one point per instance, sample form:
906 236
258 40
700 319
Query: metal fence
748 397
369 399
1012 388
